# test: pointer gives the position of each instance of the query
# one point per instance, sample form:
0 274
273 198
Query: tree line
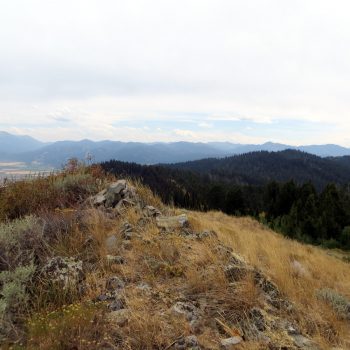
299 211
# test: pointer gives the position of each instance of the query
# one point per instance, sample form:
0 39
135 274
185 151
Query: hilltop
90 261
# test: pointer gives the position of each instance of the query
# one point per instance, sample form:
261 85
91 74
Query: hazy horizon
158 71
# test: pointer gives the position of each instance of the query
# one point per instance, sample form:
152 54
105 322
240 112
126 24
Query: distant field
18 170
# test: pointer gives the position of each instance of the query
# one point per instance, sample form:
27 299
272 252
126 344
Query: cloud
82 66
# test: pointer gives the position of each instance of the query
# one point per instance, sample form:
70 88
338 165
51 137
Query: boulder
66 272
172 222
117 194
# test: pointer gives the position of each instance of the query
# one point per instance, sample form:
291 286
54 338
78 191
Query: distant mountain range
28 150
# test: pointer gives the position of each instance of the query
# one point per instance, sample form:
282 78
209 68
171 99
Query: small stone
187 309
144 287
150 211
115 259
230 342
114 283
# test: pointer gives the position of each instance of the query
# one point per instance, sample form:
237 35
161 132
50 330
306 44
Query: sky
167 70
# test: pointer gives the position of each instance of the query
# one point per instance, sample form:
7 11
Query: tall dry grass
276 256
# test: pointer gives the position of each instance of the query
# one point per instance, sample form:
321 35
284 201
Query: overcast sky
164 70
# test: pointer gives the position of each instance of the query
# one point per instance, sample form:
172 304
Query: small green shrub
13 297
339 303
21 242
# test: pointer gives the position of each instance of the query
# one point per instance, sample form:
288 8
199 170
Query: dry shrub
43 193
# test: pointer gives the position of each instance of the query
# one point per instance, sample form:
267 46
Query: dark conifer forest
296 202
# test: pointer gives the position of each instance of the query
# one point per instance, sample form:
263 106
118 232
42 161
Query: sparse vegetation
161 288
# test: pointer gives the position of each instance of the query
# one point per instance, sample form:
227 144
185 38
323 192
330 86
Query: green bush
21 241
13 297
339 303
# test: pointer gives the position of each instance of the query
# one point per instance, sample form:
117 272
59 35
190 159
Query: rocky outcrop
116 195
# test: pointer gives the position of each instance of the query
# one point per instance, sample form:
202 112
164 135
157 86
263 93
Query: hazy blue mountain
326 150
58 153
13 144
28 150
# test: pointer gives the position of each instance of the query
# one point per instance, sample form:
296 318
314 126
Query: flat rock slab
172 222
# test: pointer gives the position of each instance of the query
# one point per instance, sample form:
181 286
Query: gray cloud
260 60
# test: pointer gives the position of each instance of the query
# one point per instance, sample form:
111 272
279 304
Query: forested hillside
261 167
297 209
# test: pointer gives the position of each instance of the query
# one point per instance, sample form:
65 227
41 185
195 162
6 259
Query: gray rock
186 309
145 287
115 283
150 211
117 194
229 343
67 272
126 231
172 222
99 199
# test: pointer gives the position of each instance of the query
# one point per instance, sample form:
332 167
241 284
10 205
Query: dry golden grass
274 254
